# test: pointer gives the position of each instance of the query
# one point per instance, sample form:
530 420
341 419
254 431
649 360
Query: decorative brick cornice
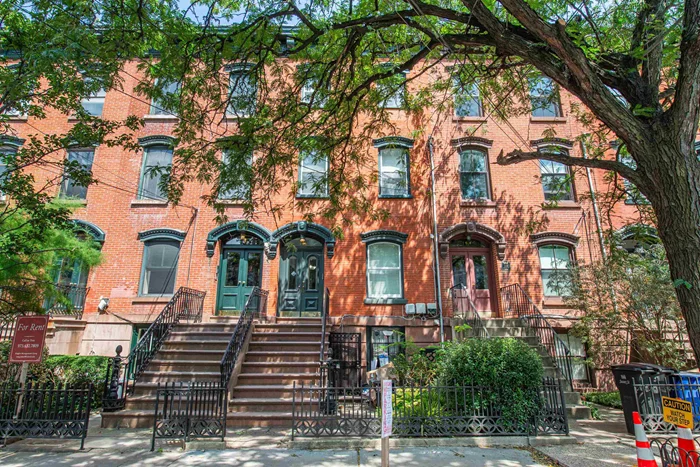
563 238
565 143
472 228
157 140
393 141
472 141
170 234
384 235
12 141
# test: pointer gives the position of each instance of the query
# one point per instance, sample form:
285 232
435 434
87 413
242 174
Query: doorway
240 270
301 278
472 271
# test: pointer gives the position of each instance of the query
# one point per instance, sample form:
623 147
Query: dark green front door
301 278
240 271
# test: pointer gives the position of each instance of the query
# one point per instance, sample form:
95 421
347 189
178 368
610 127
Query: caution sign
677 412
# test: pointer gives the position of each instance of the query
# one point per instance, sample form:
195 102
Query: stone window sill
469 203
552 302
230 202
168 118
148 300
474 119
395 196
149 203
547 119
562 205
385 301
17 118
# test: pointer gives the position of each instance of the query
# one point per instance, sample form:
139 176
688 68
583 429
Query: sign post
28 347
387 420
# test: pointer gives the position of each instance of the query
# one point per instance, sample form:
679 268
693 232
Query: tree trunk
672 175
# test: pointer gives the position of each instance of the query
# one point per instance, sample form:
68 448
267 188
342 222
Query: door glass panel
313 273
233 260
459 271
481 276
292 272
253 279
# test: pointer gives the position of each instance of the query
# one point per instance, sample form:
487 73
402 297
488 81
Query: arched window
555 266
384 266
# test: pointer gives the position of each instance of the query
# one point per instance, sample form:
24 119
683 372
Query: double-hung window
544 98
392 91
473 174
313 174
94 103
165 105
556 177
384 270
5 154
159 266
634 196
577 349
467 100
79 160
555 266
394 180
242 92
236 172
157 161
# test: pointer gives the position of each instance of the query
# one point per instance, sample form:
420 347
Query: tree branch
685 109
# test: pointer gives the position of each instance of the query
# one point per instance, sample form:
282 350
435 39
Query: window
384 270
578 352
393 172
157 160
555 176
242 93
555 264
385 343
159 266
236 173
634 196
162 106
95 102
393 91
544 98
5 154
467 100
473 174
313 173
81 158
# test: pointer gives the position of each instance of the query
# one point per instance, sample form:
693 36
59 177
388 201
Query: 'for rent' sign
28 342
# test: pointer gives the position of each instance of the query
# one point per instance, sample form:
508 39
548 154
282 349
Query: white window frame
224 161
473 93
397 99
399 250
485 172
67 180
555 269
553 100
406 175
241 72
96 98
156 107
302 169
144 168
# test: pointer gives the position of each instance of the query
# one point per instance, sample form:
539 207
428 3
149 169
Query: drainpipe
596 213
436 258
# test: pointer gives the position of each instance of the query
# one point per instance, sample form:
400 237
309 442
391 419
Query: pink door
471 269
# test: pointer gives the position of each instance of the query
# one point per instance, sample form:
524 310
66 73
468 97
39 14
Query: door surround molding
476 229
313 230
236 226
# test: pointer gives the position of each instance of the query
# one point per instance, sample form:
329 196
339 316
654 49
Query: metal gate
345 351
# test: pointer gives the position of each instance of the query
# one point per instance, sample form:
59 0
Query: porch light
302 239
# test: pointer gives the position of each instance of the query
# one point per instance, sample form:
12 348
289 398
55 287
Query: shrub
608 399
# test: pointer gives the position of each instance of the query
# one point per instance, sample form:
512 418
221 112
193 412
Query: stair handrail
547 337
325 310
253 307
186 304
475 321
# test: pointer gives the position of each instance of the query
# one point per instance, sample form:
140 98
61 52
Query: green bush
508 370
608 399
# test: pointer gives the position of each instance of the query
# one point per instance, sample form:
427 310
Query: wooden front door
240 270
301 278
471 269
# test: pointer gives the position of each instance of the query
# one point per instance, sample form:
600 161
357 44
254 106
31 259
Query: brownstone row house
388 280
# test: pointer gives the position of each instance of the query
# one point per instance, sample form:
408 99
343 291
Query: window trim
390 142
390 237
564 146
559 111
61 189
487 172
154 236
166 112
457 94
314 195
248 188
548 243
101 94
240 68
148 142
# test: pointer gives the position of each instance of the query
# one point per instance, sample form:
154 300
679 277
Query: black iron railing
667 450
256 304
428 411
186 305
465 312
185 411
323 369
517 304
648 395
75 296
45 411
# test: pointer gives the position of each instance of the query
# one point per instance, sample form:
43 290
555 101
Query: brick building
381 275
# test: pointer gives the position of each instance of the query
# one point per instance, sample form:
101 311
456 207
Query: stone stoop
514 327
279 354
191 352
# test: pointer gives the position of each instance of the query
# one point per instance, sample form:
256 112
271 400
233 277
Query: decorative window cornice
389 141
311 229
471 141
235 226
95 232
384 236
162 233
237 67
544 142
472 228
637 230
11 141
562 238
157 140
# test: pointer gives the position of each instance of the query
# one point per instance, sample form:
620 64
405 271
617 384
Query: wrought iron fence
648 395
45 411
428 411
345 359
517 304
187 304
464 310
75 296
185 411
256 303
671 455
324 324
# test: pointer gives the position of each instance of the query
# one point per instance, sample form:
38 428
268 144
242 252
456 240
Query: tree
635 67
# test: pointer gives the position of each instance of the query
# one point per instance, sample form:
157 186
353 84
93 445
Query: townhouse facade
457 219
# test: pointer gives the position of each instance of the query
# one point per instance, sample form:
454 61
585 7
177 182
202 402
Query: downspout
436 259
596 213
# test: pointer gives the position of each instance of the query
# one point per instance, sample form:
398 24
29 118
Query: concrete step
219 345
502 323
170 376
288 327
295 320
220 327
572 398
272 356
251 379
189 354
280 367
261 404
286 336
508 332
137 418
247 391
259 419
286 346
184 365
208 335
578 412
